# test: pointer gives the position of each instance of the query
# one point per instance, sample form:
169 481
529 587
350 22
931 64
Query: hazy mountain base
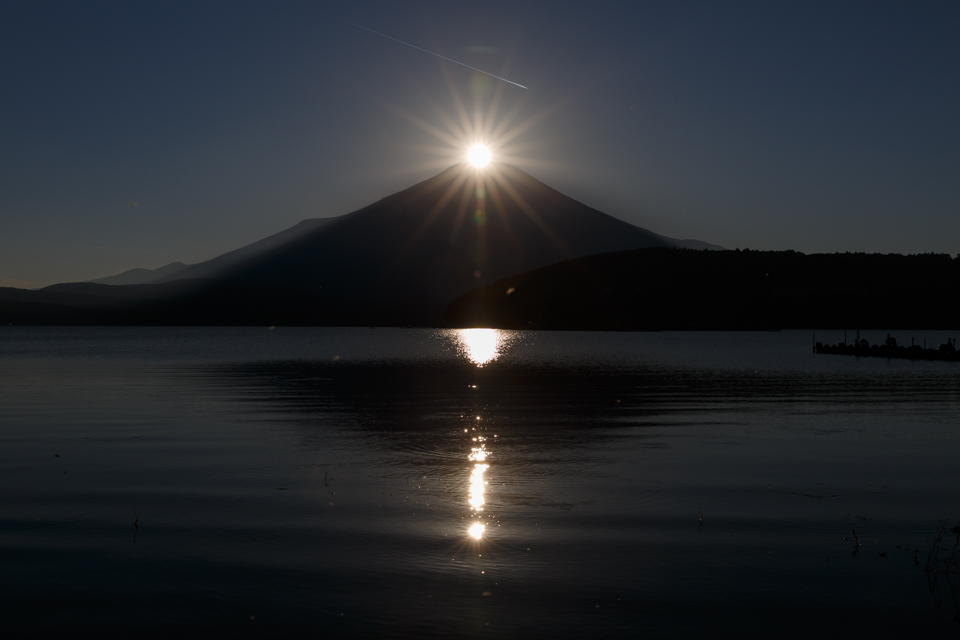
219 265
676 289
640 290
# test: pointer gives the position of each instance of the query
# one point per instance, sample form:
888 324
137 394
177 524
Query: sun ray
499 92
455 185
537 163
500 125
433 130
504 124
501 210
492 111
527 124
456 128
461 212
458 105
521 202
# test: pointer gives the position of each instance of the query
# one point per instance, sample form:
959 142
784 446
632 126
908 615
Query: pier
890 349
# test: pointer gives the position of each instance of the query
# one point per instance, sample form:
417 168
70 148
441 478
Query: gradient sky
134 134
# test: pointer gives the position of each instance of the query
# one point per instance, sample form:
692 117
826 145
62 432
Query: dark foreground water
420 483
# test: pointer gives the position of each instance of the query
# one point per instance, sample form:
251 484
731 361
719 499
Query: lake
473 483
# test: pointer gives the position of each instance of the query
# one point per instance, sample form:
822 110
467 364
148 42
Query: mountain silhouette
142 276
399 261
433 241
217 266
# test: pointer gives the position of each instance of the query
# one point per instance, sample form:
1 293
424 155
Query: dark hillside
663 289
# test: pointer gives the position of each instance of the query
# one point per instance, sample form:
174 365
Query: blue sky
140 133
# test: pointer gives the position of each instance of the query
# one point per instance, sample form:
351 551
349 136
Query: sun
478 155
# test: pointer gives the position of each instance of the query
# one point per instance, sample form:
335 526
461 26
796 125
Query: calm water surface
435 483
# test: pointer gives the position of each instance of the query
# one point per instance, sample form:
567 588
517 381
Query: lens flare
479 155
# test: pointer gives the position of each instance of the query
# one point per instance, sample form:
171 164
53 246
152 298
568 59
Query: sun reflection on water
481 346
477 485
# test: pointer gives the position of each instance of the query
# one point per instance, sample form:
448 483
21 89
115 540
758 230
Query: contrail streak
428 51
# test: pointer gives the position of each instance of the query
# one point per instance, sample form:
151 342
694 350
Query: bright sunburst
480 127
469 138
479 155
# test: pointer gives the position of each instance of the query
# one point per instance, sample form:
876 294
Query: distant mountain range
143 276
400 260
221 265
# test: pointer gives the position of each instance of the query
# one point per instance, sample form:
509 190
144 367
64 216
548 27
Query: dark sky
140 133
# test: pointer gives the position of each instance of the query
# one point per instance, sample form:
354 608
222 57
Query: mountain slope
142 276
398 261
232 259
437 239
214 267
